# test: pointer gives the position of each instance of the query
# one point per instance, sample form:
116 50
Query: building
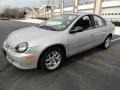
110 10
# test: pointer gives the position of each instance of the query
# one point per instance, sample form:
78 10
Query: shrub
116 23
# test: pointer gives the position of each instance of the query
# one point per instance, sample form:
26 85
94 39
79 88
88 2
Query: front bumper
19 60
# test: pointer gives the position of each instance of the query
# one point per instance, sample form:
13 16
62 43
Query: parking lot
95 69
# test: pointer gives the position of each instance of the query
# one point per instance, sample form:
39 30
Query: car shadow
81 56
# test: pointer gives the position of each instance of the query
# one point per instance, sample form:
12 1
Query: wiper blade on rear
47 27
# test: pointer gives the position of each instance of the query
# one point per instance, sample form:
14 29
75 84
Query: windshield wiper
47 27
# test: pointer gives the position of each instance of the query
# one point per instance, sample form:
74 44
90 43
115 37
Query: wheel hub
107 42
53 60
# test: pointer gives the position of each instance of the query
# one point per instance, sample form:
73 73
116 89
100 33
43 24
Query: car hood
27 34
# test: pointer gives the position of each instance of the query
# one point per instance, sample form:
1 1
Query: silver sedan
61 36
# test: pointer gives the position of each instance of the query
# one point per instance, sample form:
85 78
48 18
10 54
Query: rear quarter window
99 22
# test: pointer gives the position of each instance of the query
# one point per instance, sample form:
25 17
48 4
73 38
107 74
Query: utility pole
97 7
59 5
52 9
62 7
75 6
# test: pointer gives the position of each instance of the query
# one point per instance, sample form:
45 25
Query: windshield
59 22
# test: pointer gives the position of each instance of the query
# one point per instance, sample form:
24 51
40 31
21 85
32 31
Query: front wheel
51 59
107 42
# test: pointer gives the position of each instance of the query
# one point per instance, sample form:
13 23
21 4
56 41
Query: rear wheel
51 59
107 42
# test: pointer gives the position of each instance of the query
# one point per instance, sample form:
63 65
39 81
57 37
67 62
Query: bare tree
13 13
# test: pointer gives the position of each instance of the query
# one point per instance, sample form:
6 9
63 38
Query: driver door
80 41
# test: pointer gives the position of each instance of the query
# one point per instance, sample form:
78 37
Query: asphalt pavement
95 69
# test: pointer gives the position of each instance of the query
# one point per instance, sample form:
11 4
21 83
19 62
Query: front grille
9 48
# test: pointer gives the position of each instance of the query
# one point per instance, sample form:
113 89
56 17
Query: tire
51 59
106 43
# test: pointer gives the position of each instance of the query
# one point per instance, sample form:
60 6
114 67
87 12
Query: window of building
108 13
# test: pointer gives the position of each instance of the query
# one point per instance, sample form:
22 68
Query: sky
20 3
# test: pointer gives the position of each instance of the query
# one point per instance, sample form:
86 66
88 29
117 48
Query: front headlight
22 47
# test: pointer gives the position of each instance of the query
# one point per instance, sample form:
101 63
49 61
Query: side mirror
76 29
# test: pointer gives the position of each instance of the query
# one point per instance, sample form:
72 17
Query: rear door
99 31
